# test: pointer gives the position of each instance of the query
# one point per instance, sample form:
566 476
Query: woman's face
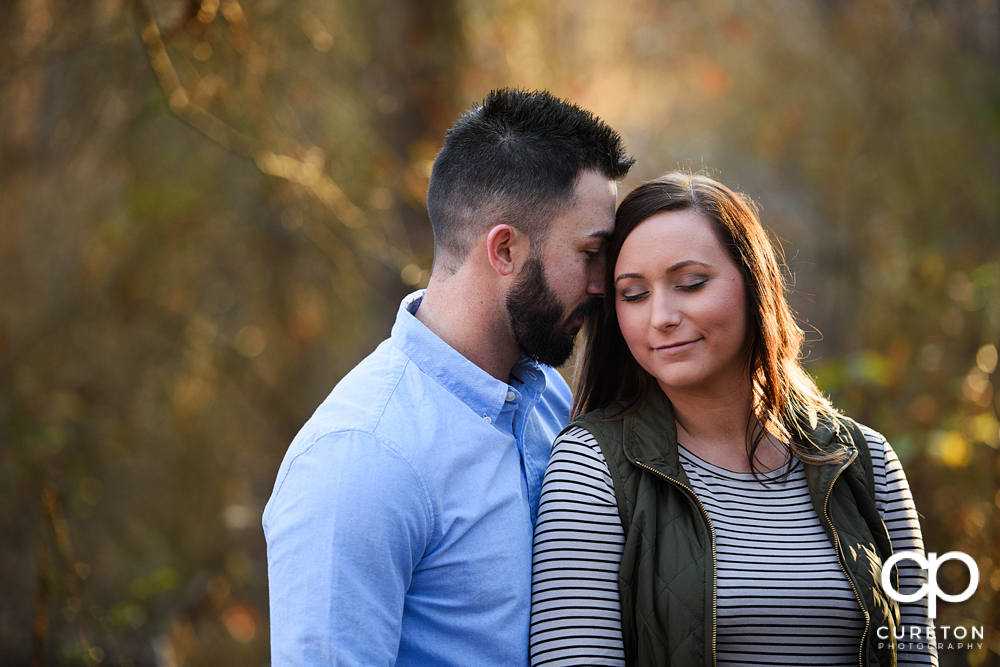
681 304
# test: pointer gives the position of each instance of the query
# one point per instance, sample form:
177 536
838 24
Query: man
399 530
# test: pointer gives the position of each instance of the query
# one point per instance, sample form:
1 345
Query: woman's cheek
629 320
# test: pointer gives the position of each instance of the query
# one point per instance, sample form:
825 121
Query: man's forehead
590 213
595 189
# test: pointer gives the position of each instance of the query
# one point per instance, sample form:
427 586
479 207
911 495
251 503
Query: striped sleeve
575 607
895 503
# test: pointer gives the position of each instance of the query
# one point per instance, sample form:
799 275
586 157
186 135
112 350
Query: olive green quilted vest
667 574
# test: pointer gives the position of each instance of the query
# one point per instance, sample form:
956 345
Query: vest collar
650 437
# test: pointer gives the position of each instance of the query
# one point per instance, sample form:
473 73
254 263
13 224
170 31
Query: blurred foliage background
209 210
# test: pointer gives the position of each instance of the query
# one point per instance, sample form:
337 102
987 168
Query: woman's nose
664 312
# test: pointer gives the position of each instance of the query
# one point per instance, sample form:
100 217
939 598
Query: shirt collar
482 392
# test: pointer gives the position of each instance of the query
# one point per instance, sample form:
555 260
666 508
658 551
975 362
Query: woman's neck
715 427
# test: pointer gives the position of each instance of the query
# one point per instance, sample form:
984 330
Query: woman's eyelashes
692 283
633 295
687 284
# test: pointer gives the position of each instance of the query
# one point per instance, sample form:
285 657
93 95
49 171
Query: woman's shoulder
607 420
877 443
612 412
880 451
576 441
577 457
875 440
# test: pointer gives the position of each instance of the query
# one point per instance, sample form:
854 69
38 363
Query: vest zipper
837 550
711 529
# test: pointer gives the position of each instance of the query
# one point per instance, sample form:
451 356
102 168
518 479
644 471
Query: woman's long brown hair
786 400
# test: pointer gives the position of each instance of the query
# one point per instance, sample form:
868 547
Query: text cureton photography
944 637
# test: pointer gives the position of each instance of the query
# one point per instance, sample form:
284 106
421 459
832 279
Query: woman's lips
673 348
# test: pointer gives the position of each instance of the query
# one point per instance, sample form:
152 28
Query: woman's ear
506 249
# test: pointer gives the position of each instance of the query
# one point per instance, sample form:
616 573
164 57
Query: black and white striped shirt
782 597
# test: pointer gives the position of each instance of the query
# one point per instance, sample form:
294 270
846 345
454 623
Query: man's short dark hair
515 158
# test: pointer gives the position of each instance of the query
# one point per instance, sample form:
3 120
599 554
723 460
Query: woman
689 517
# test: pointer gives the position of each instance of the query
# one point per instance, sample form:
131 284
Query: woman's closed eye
693 283
633 294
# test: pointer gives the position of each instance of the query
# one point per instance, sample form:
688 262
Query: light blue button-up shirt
399 529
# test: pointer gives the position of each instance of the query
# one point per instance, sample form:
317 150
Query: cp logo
930 589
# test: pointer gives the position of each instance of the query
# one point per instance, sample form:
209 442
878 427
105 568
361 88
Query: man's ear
506 248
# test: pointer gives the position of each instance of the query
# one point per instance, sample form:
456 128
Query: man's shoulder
358 399
388 401
357 426
386 396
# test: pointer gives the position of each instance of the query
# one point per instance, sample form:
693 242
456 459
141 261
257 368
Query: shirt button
511 396
486 418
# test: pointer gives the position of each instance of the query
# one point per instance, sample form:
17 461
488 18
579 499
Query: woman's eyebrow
627 275
687 262
676 267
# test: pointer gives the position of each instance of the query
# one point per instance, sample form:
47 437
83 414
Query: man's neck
472 319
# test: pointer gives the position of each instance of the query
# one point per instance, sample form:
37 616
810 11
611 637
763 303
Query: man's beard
536 316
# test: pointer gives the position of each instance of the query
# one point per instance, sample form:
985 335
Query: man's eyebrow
601 234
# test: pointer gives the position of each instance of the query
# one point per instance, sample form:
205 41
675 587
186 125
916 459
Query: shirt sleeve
895 503
575 605
346 525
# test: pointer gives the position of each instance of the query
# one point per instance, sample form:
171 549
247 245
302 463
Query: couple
706 506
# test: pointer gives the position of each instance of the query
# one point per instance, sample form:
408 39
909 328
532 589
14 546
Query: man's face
563 282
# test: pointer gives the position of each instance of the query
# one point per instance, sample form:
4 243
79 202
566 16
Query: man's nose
595 278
